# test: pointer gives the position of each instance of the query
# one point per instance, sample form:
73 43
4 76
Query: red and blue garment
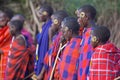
52 52
68 66
85 54
20 61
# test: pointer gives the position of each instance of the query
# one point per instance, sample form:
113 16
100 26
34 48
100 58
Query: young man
68 65
18 55
86 16
57 18
21 18
105 61
44 14
29 39
55 37
5 38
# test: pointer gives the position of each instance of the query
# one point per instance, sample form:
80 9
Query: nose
78 20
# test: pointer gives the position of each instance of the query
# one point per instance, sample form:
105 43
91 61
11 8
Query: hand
34 77
40 77
1 51
62 39
118 78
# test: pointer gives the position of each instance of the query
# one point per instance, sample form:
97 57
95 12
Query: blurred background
108 12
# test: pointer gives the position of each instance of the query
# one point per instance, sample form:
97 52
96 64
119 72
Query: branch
34 15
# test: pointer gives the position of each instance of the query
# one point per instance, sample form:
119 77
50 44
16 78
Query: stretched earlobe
94 39
55 21
44 13
82 14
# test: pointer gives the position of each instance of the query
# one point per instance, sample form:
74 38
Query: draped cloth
68 65
105 63
5 39
43 42
85 54
51 55
19 61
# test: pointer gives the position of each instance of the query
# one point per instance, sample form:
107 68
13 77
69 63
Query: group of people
67 48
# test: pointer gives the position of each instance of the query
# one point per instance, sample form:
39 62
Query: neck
47 19
91 23
17 34
101 43
74 35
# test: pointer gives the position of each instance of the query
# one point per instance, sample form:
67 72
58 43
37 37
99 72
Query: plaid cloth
105 63
18 61
5 39
69 61
30 66
85 54
51 52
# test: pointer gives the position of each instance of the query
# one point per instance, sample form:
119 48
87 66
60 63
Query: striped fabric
105 63
5 39
18 61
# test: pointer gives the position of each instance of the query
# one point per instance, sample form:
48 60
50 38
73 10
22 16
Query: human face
42 15
12 28
94 40
55 23
82 18
67 34
3 19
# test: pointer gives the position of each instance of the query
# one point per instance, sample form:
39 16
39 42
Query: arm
50 36
1 51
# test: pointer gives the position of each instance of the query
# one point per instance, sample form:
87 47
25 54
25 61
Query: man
55 36
5 39
44 14
105 61
68 65
19 53
86 16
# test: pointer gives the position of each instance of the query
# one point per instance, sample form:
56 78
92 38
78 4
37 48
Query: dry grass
112 21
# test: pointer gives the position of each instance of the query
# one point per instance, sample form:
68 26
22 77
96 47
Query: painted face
42 14
12 28
94 40
82 18
66 32
3 19
55 22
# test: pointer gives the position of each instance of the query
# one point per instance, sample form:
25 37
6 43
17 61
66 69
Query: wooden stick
34 15
58 53
51 75
37 51
29 75
118 78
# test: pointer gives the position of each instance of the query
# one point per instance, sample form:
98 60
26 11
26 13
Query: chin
12 33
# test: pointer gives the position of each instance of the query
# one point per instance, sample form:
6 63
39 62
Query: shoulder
21 40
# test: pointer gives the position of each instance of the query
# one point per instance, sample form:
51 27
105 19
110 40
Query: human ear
44 13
